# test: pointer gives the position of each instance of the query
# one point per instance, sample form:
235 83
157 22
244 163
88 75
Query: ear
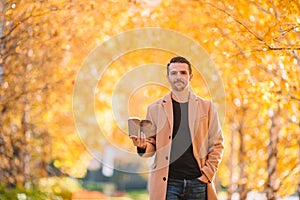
191 76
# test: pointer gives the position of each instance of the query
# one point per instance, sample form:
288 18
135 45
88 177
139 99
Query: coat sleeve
151 142
215 146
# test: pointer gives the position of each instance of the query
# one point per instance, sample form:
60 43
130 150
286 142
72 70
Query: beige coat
207 140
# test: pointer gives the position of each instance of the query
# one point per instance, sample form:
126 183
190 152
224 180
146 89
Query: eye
183 72
173 73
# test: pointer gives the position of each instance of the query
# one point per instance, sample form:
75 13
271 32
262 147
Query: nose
178 79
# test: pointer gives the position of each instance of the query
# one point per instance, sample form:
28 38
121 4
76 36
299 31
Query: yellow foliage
255 45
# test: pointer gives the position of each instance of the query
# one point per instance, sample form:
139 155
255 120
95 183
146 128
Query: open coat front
207 140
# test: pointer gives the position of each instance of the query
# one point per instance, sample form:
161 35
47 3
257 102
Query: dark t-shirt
183 164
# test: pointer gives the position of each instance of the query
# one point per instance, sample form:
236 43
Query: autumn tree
28 89
264 45
254 45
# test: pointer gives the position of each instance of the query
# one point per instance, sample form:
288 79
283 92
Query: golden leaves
253 43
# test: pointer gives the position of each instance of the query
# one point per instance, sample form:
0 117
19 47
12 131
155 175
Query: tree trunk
231 164
2 44
299 164
25 154
242 163
272 183
26 131
2 40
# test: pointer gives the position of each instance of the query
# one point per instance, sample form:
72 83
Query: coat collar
168 108
168 97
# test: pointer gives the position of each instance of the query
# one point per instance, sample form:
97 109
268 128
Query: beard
180 87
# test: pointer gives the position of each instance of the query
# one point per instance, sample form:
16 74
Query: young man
188 141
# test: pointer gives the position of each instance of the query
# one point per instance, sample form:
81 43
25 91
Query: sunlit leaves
255 45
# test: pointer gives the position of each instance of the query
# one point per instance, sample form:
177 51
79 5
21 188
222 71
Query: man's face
179 76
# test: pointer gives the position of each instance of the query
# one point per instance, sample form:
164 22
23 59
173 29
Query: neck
181 96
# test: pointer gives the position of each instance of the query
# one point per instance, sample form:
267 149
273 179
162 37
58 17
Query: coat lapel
193 108
168 108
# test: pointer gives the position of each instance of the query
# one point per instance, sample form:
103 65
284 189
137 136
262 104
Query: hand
203 179
139 141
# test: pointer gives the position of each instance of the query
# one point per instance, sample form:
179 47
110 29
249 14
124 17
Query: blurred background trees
254 44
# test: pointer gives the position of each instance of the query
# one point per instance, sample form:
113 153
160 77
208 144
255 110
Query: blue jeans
186 189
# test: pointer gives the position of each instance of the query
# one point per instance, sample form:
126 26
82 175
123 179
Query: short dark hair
179 59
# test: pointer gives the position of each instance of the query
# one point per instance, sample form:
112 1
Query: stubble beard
180 88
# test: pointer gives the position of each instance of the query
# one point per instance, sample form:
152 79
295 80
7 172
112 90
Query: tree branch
266 45
22 21
47 86
281 179
238 21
